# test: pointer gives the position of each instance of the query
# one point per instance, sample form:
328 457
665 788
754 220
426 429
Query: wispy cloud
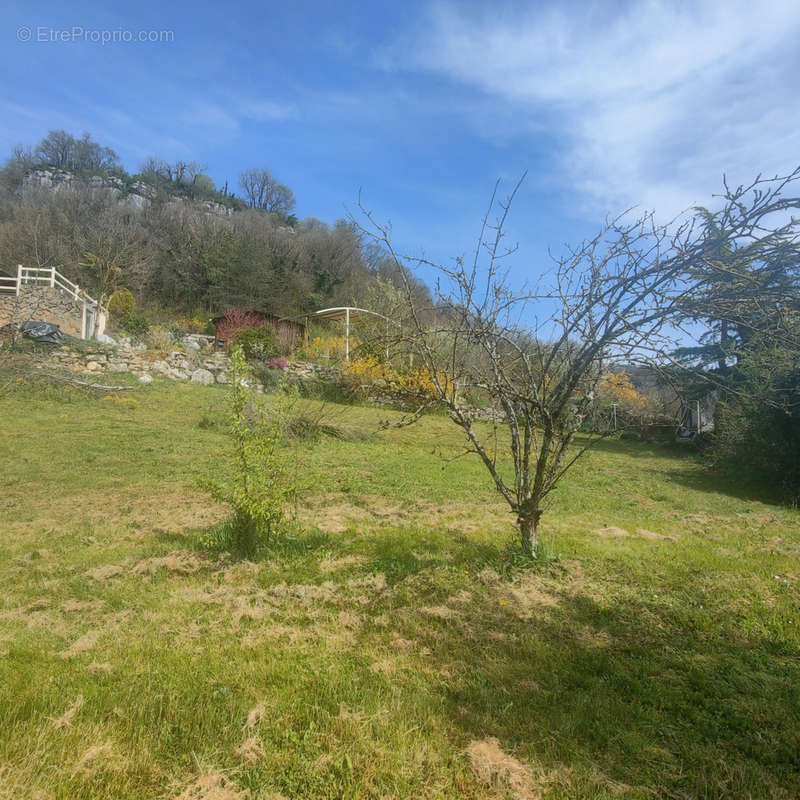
650 104
266 110
213 116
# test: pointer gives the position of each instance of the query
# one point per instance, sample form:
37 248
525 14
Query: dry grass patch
254 716
104 572
180 562
304 592
95 758
332 514
182 508
439 612
611 532
526 596
81 645
71 606
384 666
250 750
350 620
212 785
652 535
501 772
65 720
336 564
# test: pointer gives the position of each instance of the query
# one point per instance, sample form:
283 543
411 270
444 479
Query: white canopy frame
345 313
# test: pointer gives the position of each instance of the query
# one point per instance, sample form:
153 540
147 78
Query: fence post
19 277
52 277
347 335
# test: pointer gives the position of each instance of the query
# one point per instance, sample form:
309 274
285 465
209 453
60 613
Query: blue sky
423 105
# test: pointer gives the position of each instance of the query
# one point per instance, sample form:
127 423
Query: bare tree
61 149
263 191
540 355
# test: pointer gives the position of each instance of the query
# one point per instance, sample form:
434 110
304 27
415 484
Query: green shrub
259 485
137 324
122 304
258 344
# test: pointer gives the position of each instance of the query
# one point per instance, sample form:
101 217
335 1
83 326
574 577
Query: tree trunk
528 524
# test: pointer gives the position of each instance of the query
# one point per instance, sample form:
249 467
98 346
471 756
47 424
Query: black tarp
42 332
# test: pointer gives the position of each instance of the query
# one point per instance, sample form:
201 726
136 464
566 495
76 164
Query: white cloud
650 104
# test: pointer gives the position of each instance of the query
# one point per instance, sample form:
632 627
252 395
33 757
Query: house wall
289 333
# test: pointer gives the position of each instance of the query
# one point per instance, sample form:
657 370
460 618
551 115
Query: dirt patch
180 562
212 785
82 645
500 771
65 720
104 572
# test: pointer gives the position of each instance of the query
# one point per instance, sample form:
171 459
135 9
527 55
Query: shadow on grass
651 699
706 479
390 553
633 448
295 544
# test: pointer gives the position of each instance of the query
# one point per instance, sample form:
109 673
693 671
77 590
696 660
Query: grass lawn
391 649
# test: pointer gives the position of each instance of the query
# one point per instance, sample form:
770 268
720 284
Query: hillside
168 234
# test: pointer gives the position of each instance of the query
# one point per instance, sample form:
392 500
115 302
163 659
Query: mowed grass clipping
391 647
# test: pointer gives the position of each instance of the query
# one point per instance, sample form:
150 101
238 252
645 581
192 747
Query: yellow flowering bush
370 377
191 324
616 387
328 348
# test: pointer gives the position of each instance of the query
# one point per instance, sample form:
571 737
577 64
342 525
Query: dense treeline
171 249
748 305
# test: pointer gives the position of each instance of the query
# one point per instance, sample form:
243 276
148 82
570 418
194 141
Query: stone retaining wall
197 363
42 303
